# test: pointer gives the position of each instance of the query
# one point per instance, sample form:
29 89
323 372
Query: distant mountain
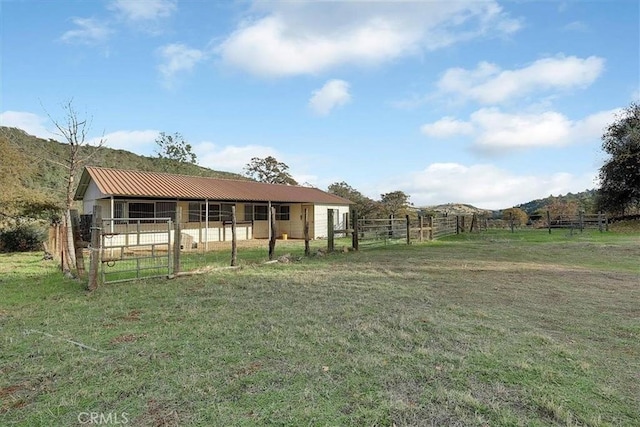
50 156
584 200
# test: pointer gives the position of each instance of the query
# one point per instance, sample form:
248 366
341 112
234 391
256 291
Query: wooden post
330 241
177 241
354 237
430 223
307 249
408 231
77 242
581 213
234 243
96 241
272 233
457 224
421 222
549 221
511 222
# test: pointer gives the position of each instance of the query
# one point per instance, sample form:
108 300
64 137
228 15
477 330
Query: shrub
22 238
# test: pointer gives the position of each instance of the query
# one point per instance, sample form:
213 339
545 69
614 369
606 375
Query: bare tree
74 130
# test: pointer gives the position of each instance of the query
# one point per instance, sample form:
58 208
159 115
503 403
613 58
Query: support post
77 242
94 258
177 240
511 222
549 221
457 224
307 250
581 213
421 224
330 242
234 243
408 231
354 237
272 232
430 227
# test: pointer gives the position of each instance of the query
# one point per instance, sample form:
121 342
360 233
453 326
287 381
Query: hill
584 201
45 173
456 209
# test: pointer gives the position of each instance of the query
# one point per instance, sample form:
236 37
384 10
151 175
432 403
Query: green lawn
474 330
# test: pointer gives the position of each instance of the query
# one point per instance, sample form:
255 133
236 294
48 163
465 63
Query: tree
365 206
518 216
74 130
562 208
395 203
174 148
269 170
619 177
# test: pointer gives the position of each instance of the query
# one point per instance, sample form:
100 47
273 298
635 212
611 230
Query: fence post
272 233
330 242
581 220
408 231
307 249
354 237
77 242
457 224
177 240
549 221
94 257
511 222
234 243
430 222
421 224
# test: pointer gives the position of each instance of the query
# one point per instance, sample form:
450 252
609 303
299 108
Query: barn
206 204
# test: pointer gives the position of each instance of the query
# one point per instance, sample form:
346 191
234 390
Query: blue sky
482 102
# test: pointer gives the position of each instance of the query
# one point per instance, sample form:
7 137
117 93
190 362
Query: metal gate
135 248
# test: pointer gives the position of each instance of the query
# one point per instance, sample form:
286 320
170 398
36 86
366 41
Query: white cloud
485 186
488 84
89 32
146 10
492 130
291 38
230 158
447 127
577 26
177 58
333 94
28 122
136 141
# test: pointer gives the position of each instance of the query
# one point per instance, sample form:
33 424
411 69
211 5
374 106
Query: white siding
321 221
90 196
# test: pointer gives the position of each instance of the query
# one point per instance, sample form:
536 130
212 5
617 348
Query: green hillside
585 201
46 160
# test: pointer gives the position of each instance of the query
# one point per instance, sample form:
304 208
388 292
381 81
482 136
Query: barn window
261 212
226 212
283 213
138 210
166 210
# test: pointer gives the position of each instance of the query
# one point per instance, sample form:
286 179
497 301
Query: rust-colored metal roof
133 183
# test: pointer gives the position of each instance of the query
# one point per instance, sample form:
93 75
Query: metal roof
133 183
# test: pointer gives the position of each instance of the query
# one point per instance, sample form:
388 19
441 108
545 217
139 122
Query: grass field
475 330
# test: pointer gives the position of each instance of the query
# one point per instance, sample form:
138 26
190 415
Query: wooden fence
406 230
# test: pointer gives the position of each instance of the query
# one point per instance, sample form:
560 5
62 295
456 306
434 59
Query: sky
481 102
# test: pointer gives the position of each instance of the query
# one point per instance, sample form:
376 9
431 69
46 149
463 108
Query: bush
22 238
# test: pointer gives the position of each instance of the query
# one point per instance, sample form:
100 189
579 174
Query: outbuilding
206 204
